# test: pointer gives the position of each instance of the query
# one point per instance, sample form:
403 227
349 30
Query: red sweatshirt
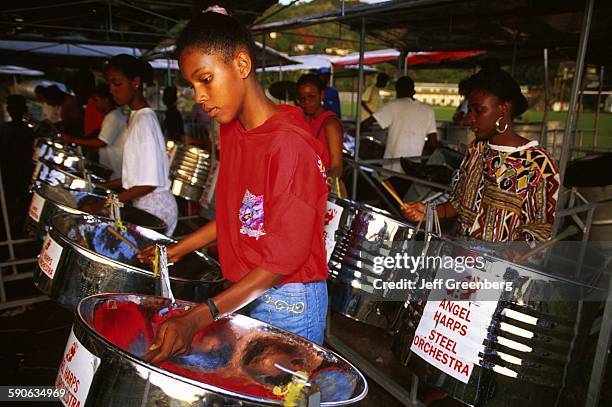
271 198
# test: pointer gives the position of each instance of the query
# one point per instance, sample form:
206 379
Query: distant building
438 94
443 94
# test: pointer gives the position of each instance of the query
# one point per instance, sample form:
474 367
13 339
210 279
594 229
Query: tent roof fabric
449 25
138 23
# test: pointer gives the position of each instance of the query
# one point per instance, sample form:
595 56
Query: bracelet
214 311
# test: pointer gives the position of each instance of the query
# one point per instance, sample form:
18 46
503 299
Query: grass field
586 121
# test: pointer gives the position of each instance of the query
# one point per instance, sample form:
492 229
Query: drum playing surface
236 356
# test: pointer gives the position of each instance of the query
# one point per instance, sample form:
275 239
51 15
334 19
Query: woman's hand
414 212
174 254
175 335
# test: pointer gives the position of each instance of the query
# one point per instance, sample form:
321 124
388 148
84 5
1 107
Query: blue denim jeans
300 308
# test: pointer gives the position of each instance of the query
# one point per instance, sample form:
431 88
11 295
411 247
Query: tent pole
544 130
358 115
514 54
598 111
570 122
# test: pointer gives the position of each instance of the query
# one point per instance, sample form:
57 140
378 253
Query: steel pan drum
54 175
51 201
189 171
67 157
231 362
532 347
363 233
80 257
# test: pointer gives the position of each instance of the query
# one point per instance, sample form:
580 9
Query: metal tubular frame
570 122
359 110
12 262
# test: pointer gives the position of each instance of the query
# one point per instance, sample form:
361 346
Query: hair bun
216 9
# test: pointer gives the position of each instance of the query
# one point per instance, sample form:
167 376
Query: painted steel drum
530 351
362 234
48 201
67 157
54 175
189 171
81 257
231 362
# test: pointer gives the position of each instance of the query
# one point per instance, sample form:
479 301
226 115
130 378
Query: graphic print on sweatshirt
322 168
252 215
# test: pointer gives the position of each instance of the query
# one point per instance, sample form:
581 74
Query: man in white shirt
412 125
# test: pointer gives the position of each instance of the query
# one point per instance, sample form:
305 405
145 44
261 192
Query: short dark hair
404 87
382 79
131 67
499 83
212 32
102 91
17 104
169 96
54 95
311 79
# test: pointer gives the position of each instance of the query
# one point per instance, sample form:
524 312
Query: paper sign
36 207
451 332
330 225
49 256
76 372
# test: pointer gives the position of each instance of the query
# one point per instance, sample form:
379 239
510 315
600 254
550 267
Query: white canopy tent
60 48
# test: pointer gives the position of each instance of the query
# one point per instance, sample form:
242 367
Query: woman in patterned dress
506 187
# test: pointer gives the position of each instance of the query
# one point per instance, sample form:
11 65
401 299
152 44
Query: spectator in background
50 114
202 126
111 137
331 97
412 128
371 100
462 110
71 113
83 85
324 124
16 149
173 121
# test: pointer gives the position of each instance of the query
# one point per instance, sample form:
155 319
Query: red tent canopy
435 57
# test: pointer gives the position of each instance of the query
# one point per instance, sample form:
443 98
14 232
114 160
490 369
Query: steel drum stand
407 398
12 262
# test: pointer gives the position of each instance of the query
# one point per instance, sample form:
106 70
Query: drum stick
387 185
122 238
570 231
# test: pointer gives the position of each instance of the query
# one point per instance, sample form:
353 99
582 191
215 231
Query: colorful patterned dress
506 193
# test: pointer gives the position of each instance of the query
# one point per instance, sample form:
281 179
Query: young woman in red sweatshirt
271 194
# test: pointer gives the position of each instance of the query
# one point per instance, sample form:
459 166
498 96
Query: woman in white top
112 135
145 168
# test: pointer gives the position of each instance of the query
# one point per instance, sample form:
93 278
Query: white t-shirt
113 134
145 161
409 122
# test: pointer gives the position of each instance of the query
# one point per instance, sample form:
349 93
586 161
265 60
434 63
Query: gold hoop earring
497 127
